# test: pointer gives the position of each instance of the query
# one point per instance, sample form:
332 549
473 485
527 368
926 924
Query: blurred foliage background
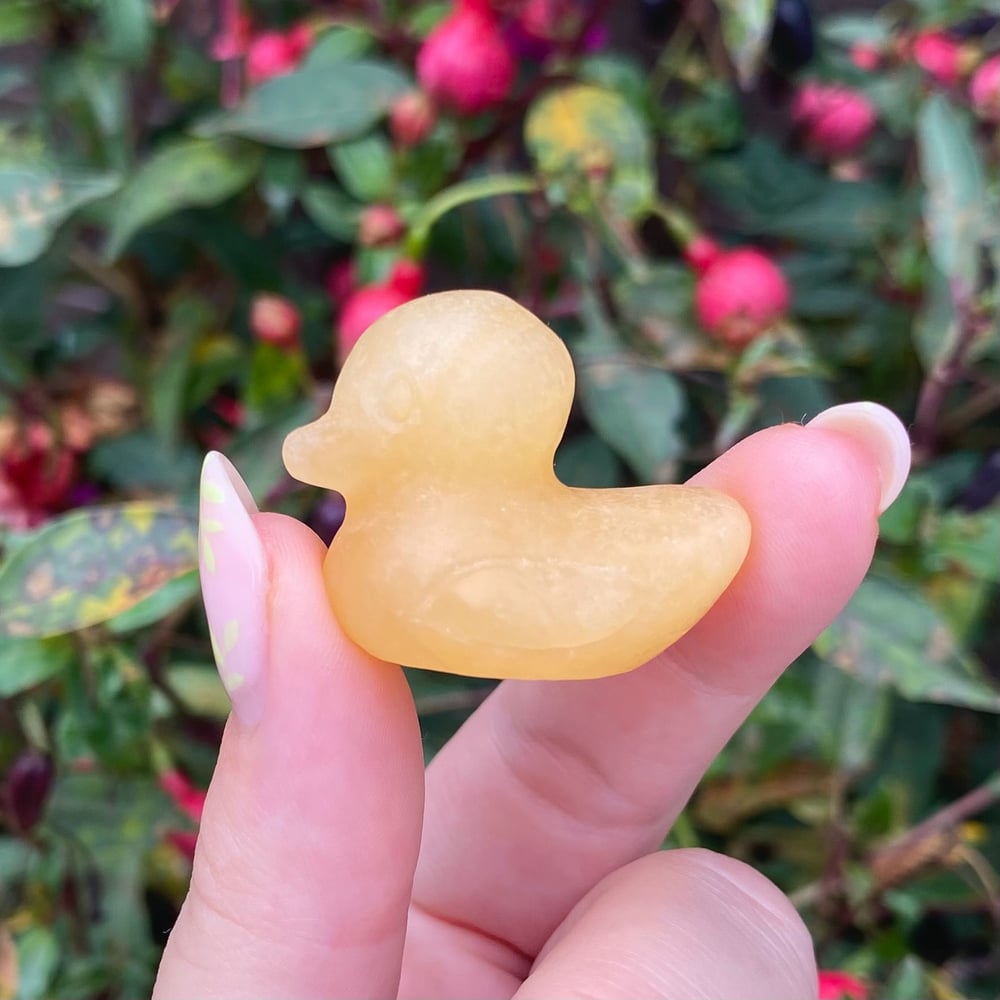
202 204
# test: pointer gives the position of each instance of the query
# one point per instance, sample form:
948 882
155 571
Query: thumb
309 838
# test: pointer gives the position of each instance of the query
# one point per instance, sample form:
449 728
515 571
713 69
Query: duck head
456 384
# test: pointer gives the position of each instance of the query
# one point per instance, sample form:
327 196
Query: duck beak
315 454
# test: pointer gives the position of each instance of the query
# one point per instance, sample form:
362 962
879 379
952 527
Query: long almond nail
882 432
234 585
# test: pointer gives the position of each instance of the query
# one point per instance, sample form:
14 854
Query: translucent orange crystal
461 551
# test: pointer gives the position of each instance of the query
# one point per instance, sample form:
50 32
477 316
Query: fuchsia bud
26 790
740 295
371 302
701 252
939 56
835 120
380 225
190 801
865 56
465 64
984 90
275 320
274 53
835 985
411 118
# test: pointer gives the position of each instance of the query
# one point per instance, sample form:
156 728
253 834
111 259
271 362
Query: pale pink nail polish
234 585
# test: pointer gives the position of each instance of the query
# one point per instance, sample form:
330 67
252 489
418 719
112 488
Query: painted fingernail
882 432
234 585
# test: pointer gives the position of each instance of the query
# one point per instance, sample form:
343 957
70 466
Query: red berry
411 118
407 276
274 53
836 120
380 225
465 64
984 90
939 56
834 985
701 252
372 302
275 320
865 56
741 294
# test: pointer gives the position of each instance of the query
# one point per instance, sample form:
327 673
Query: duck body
460 550
547 583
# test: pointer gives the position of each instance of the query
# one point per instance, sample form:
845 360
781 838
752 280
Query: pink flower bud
411 118
984 90
835 120
380 225
188 799
865 56
465 64
939 56
740 295
234 39
835 985
340 281
26 790
701 253
372 302
407 276
274 53
275 320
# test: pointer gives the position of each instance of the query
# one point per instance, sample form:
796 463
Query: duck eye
397 404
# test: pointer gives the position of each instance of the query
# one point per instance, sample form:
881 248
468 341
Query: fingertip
879 431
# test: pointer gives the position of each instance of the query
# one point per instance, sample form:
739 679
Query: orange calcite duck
461 551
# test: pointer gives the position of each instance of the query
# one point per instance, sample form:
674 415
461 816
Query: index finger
550 787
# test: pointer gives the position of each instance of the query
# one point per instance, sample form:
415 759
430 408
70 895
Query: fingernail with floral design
234 585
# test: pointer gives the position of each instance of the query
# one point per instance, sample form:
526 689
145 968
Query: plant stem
945 374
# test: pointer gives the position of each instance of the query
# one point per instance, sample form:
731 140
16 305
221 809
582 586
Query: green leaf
968 542
276 376
318 104
27 662
909 981
332 210
849 721
587 462
187 173
34 199
173 594
200 689
142 461
935 329
955 210
580 131
38 955
11 77
340 45
90 565
22 20
257 453
776 195
365 167
746 30
116 822
633 407
127 27
889 635
189 319
475 189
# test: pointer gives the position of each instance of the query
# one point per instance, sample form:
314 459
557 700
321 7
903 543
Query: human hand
528 865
